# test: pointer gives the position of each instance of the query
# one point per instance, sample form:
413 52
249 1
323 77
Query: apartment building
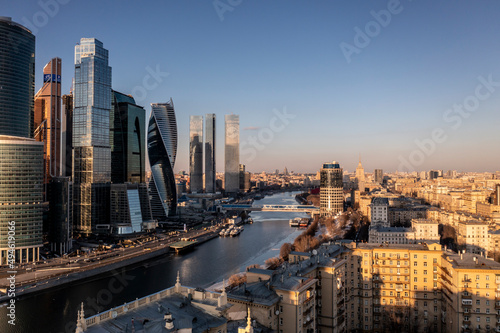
473 236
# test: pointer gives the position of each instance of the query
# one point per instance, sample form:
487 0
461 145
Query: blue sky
265 57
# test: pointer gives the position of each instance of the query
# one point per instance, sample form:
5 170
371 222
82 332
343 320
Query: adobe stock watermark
453 116
150 82
116 284
265 135
11 262
372 29
223 6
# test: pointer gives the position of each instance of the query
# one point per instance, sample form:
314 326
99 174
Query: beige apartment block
425 230
397 287
471 293
472 235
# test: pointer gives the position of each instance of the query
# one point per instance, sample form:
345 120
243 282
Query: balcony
497 305
467 322
467 296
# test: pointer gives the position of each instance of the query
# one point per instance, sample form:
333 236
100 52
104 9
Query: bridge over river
273 208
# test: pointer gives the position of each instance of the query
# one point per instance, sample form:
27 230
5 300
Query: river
56 310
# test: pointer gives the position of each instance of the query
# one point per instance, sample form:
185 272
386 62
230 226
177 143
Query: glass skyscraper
162 150
17 79
91 144
21 175
331 189
232 154
127 140
196 153
210 166
48 120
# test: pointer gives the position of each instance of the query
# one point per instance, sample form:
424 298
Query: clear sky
376 78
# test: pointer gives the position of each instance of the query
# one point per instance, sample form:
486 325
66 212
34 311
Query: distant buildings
210 156
331 189
360 176
232 154
196 153
91 144
379 176
162 151
17 79
49 120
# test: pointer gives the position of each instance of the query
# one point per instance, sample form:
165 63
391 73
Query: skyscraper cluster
200 181
77 159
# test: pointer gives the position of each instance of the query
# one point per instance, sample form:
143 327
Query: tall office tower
127 140
360 176
17 79
196 153
232 154
60 199
48 120
162 150
331 192
21 176
91 144
379 176
67 135
210 166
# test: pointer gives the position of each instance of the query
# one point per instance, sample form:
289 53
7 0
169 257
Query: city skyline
404 75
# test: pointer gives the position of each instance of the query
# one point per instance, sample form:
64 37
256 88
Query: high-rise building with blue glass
162 150
91 144
17 79
210 166
21 157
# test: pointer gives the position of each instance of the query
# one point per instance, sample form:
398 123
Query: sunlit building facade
232 154
196 153
162 151
91 142
331 189
49 120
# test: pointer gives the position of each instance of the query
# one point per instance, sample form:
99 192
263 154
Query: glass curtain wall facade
91 144
196 153
67 135
21 176
48 120
127 140
331 189
232 154
162 151
17 79
60 197
210 166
